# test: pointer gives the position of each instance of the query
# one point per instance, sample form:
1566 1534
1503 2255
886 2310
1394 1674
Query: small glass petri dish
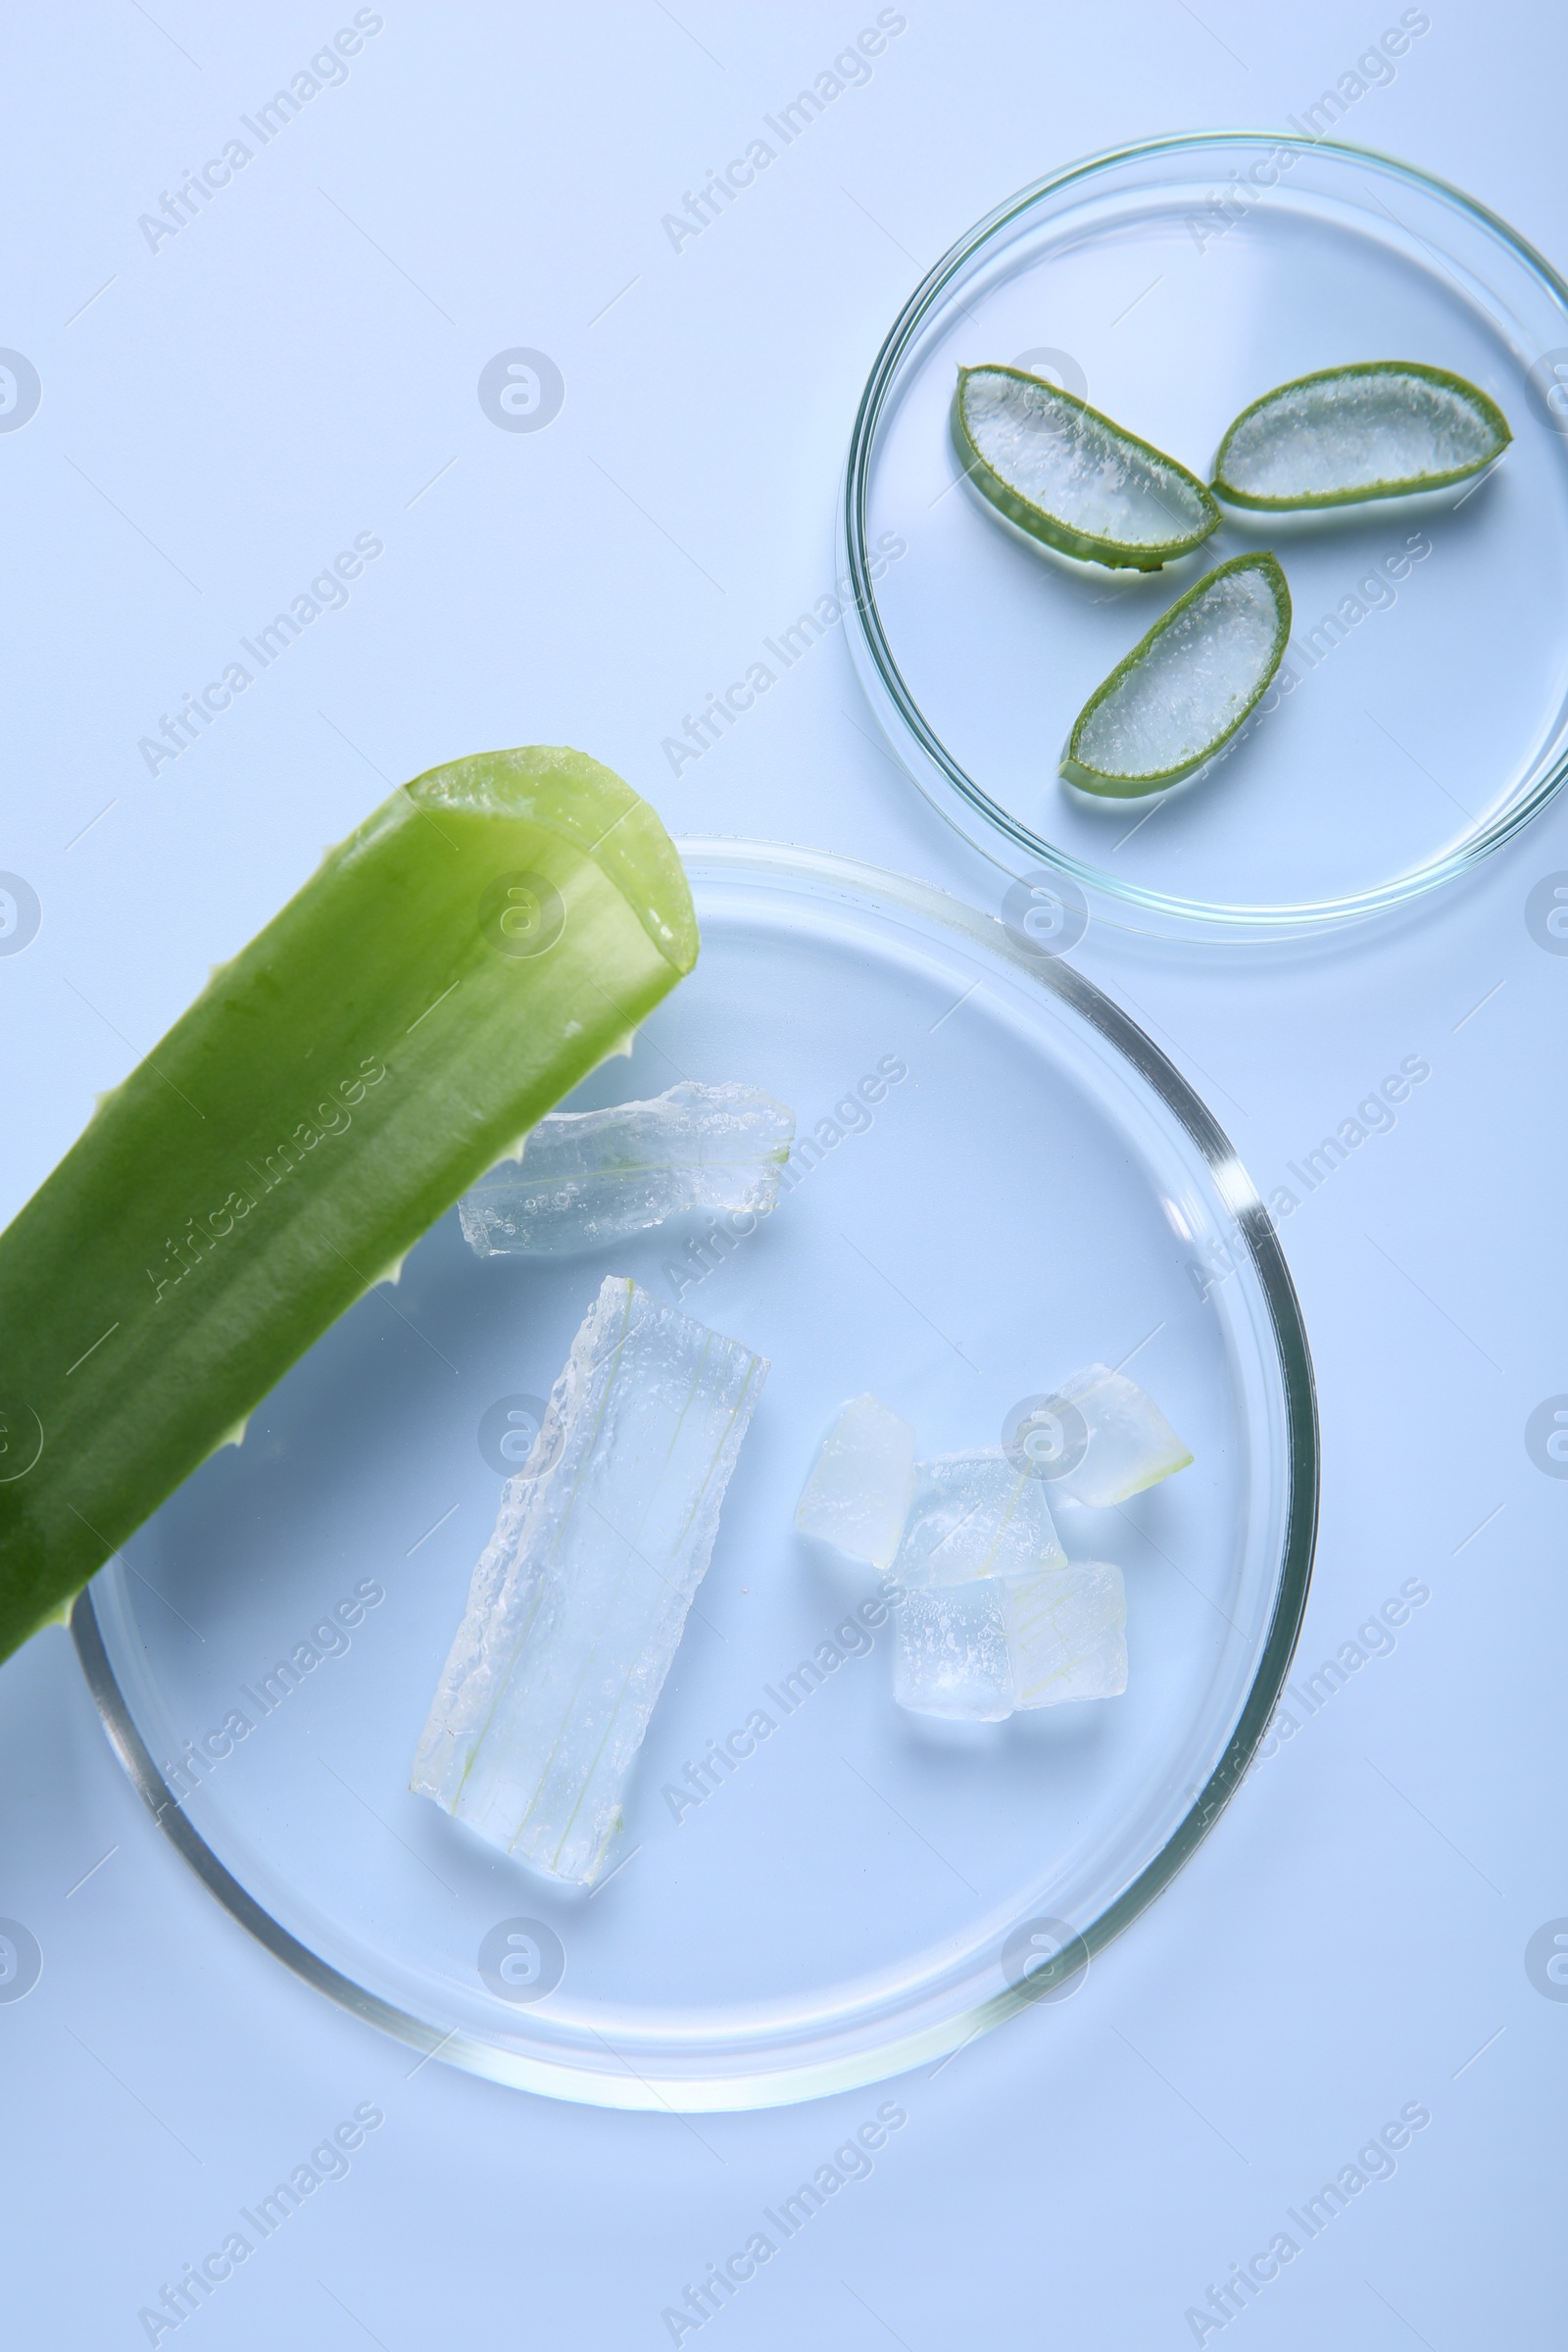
1421 715
997 1178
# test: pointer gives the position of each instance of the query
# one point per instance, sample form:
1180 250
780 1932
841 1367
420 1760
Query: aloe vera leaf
1070 477
1187 686
1383 428
488 936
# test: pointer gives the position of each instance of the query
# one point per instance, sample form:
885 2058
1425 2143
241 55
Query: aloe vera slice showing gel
1185 688
487 937
1071 478
1383 430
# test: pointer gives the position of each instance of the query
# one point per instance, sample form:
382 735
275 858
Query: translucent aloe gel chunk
594 1176
1385 428
857 1493
1100 1439
1067 1634
448 973
1186 687
1070 477
581 1598
950 1652
976 1515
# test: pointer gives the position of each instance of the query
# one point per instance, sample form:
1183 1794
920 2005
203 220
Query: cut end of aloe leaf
1071 478
589 807
1385 428
483 941
1184 690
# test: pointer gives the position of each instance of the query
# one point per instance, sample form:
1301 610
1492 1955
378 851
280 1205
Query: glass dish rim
774 2087
1167 914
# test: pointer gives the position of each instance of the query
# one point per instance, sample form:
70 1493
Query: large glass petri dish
997 1179
1421 715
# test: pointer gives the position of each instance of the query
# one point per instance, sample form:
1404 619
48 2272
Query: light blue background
299 365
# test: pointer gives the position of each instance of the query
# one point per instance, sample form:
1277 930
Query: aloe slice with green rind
1072 478
1187 686
486 937
1383 428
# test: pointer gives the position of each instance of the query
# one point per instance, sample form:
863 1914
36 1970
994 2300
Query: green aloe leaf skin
484 940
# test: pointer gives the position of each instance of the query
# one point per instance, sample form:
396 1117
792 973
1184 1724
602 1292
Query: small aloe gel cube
950 1652
581 1598
1100 1439
857 1493
1067 1634
976 1515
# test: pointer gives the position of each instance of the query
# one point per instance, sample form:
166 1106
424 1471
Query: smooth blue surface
300 365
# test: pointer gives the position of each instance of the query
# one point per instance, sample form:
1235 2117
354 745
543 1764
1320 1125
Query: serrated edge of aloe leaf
1117 555
1108 787
1406 486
